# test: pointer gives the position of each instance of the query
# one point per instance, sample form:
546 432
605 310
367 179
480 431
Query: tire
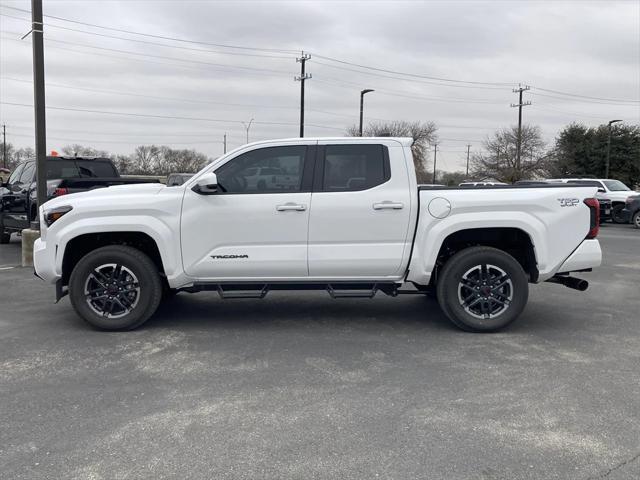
464 273
636 219
616 214
5 237
135 296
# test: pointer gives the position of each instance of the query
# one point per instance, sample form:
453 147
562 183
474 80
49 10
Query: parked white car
355 223
610 189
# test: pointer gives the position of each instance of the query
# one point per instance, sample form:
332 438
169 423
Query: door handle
388 206
291 206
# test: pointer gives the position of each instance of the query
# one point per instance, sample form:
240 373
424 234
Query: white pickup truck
355 223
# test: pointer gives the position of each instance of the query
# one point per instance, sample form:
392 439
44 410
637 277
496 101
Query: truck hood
620 196
107 193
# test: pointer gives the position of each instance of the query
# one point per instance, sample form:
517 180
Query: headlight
54 214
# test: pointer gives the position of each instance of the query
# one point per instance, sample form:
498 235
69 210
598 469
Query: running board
229 290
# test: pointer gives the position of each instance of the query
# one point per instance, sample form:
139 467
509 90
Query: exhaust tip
581 285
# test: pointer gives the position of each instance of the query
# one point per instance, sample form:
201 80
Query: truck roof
405 141
78 157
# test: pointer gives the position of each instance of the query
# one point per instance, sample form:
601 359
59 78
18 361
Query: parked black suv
631 211
18 196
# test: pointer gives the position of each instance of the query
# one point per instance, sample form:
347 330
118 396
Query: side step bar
335 289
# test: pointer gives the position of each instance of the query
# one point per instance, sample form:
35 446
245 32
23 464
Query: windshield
616 186
64 168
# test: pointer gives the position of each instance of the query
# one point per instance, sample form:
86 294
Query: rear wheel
115 288
5 236
482 289
636 219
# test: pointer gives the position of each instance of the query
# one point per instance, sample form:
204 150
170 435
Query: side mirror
206 185
601 190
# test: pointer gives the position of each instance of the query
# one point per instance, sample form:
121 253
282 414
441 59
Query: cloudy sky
183 73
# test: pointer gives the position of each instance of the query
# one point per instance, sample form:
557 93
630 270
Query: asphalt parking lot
302 386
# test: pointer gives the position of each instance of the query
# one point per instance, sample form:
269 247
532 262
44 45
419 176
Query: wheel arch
513 240
80 245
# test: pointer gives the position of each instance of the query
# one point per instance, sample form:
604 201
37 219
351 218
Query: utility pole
224 143
520 104
4 145
435 152
247 126
606 165
468 150
303 76
38 96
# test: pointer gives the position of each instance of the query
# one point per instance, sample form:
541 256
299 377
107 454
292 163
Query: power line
119 57
331 59
74 139
585 101
161 37
129 52
147 42
414 75
405 79
618 100
120 134
158 97
167 117
185 100
398 93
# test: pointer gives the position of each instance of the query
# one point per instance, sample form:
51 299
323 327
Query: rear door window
350 168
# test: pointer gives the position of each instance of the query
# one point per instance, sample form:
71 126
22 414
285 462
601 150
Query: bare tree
145 159
498 160
423 134
83 151
181 161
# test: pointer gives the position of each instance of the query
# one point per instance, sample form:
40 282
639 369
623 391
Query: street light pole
247 126
606 165
362 93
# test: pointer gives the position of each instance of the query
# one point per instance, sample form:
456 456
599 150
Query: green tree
581 151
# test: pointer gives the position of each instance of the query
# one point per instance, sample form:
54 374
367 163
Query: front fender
163 235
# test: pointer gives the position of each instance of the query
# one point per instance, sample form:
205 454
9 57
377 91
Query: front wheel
115 288
482 289
636 219
616 214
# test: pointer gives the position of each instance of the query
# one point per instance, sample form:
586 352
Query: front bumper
626 215
587 255
44 262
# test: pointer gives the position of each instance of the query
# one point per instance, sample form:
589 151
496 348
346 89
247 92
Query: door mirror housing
601 190
206 185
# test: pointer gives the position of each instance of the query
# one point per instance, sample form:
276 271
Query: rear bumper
44 262
587 255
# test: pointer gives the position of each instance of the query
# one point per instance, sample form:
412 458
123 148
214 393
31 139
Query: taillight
60 191
594 209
